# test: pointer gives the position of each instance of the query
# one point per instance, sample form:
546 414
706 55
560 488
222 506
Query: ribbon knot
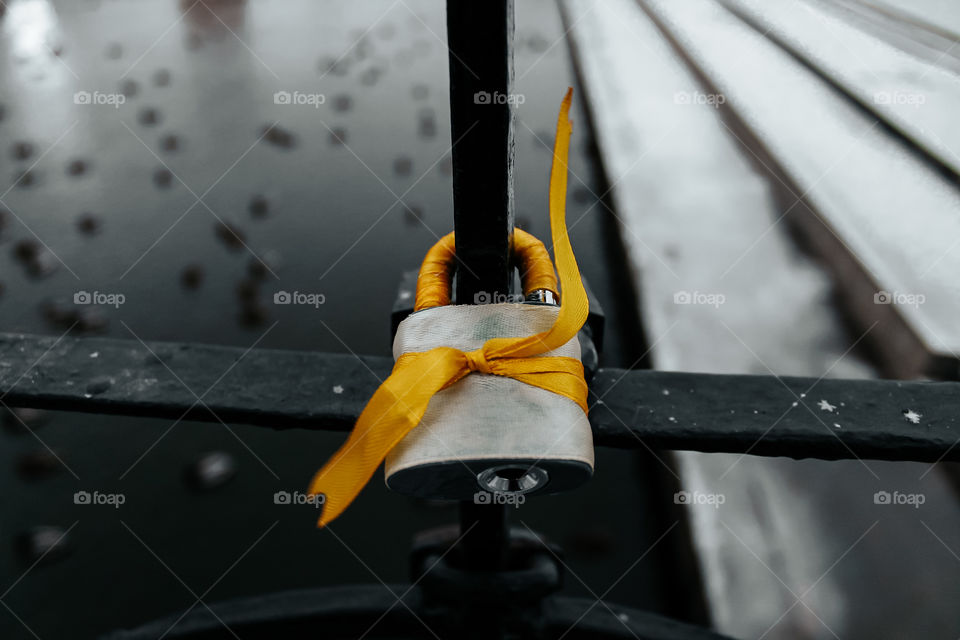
477 361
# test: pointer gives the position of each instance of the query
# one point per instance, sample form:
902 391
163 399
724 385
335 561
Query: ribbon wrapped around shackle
401 401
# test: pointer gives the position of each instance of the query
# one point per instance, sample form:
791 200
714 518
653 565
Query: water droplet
210 471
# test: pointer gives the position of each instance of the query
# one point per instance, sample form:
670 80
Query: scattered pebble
161 78
259 206
338 389
194 41
229 234
370 76
413 214
253 314
335 66
170 142
162 177
248 291
77 167
826 406
22 150
210 471
278 136
537 43
342 103
114 51
26 249
148 116
582 195
129 88
192 276
402 166
262 266
338 135
427 123
912 416
88 223
446 166
420 91
26 178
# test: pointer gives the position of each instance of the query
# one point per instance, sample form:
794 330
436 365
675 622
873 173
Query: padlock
486 437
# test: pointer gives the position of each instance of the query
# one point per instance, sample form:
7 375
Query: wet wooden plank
887 223
916 97
697 216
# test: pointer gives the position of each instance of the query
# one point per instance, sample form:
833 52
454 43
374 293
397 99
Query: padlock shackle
436 272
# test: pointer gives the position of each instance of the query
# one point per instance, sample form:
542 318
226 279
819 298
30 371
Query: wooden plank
914 96
696 216
876 205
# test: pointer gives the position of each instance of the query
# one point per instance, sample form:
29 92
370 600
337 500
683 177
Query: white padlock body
486 421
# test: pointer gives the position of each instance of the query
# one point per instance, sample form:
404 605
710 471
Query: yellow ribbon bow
400 402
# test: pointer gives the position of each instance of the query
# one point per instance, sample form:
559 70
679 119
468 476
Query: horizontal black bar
264 387
630 409
770 416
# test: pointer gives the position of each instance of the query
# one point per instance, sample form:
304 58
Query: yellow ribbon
400 402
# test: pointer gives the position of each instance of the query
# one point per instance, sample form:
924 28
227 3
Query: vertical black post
480 42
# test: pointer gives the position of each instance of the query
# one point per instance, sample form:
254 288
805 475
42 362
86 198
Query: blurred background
755 187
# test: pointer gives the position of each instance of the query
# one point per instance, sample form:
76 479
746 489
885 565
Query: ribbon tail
393 411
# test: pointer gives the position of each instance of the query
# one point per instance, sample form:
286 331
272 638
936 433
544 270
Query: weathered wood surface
697 216
878 208
915 96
